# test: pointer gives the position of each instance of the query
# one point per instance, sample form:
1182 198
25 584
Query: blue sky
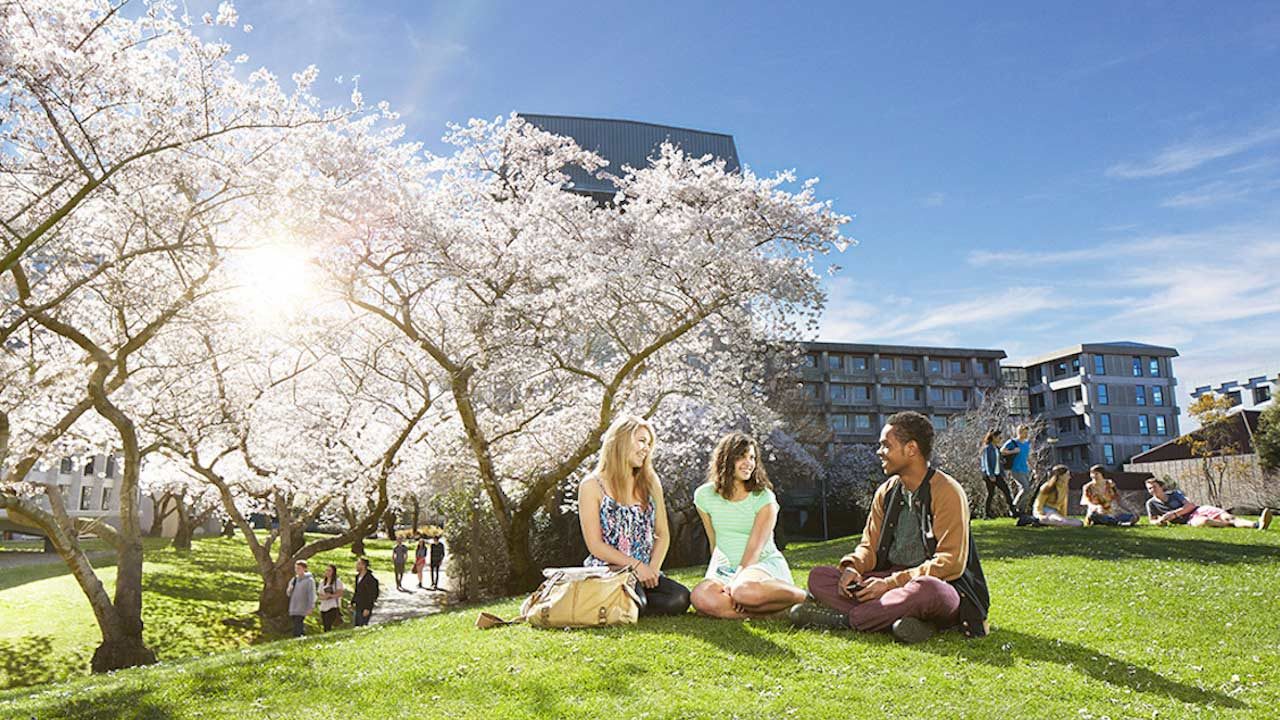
1022 175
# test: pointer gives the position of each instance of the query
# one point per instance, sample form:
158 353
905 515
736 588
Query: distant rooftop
1121 346
903 349
630 143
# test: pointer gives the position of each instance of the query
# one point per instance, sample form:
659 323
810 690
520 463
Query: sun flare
274 282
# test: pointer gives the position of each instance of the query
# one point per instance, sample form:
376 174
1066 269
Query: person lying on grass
916 569
1101 501
1167 506
1051 501
747 575
623 518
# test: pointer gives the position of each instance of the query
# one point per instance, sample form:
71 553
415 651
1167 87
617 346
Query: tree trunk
273 601
182 537
389 524
357 546
417 514
524 576
158 515
228 528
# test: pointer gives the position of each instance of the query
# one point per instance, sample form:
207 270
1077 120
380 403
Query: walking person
1050 506
993 471
330 598
366 594
1102 503
1017 452
916 569
437 559
302 597
624 519
747 575
420 560
399 555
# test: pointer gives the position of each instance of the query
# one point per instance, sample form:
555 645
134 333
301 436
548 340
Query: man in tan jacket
915 569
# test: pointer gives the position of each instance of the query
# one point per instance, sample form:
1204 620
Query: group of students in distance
1099 497
915 570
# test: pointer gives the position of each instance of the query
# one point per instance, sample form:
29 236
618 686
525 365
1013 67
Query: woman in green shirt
747 576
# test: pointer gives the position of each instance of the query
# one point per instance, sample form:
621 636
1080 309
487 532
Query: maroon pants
926 598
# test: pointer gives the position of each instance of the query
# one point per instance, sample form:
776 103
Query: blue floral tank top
629 528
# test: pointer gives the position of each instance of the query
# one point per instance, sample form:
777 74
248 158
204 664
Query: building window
1037 402
1099 365
1154 366
111 466
910 365
65 492
1140 394
861 422
1234 397
886 364
1075 365
1066 425
939 422
1060 368
1146 447
1102 395
1143 428
808 360
834 362
1067 455
861 392
910 394
88 468
838 393
958 422
839 422
86 497
984 367
886 393
1109 454
1160 427
1104 423
66 466
935 395
858 363
957 367
106 498
935 367
1137 366
811 390
1261 395
957 396
1157 395
1033 375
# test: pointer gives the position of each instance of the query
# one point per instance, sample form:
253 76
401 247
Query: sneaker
1264 521
807 614
911 630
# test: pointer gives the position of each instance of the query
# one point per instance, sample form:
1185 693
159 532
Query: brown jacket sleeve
863 557
951 529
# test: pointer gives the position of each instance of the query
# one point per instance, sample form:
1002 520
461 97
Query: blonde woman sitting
747 576
1050 506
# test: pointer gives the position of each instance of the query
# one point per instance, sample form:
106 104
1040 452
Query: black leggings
329 617
667 598
992 484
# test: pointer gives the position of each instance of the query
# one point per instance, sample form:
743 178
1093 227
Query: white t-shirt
332 602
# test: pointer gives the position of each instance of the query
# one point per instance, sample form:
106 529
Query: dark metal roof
1123 346
630 143
843 347
1244 424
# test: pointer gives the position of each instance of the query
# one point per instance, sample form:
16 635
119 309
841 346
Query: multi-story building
858 386
1104 402
1254 393
88 490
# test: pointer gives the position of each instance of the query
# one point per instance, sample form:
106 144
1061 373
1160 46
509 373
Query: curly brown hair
728 451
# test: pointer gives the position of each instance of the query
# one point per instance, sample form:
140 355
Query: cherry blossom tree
549 314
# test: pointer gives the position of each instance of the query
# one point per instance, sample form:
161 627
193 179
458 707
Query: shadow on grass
1002 646
114 704
732 636
32 660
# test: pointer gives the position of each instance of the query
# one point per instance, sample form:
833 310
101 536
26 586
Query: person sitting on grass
747 575
623 518
915 569
1167 506
1051 501
1101 501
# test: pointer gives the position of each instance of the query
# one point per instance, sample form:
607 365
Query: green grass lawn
1089 623
194 604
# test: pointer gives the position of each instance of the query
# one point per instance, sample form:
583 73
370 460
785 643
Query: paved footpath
396 605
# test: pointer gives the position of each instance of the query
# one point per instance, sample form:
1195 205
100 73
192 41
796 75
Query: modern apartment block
1254 393
88 490
1104 402
858 386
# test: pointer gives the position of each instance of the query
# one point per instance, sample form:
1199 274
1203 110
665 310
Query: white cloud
1192 154
936 199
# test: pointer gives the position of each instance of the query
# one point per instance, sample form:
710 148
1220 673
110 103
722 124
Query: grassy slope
1091 623
194 604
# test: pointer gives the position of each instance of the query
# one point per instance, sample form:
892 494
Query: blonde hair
614 468
1060 476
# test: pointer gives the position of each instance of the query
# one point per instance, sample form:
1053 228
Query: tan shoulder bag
570 599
